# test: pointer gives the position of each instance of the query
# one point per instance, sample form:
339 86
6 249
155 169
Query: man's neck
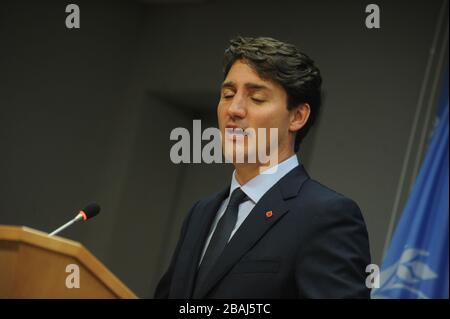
246 171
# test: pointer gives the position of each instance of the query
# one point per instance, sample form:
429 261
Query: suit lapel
188 261
256 225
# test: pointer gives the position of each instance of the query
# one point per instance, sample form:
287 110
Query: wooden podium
33 265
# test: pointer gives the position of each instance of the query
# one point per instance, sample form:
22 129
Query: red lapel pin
269 214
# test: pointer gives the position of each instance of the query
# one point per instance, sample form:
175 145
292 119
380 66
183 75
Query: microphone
86 213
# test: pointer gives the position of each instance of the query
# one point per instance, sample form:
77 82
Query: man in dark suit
273 232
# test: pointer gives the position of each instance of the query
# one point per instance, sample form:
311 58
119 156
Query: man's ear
299 117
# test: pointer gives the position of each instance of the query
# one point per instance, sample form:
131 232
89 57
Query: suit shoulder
315 194
313 187
199 206
208 198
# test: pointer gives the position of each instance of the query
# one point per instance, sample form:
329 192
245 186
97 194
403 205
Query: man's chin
244 157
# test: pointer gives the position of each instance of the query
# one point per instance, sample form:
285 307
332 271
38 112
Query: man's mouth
234 132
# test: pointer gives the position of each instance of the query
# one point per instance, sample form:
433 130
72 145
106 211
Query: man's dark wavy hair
282 63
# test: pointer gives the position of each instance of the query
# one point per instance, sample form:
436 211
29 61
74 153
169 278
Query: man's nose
237 108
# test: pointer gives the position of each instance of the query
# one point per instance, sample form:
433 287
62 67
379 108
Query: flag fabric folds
416 264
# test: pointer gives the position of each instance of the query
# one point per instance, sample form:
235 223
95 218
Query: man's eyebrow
248 86
228 84
255 86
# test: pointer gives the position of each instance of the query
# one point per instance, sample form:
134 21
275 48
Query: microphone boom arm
76 219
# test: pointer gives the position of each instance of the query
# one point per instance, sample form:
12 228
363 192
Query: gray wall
85 115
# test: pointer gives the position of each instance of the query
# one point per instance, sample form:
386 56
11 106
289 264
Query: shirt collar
260 184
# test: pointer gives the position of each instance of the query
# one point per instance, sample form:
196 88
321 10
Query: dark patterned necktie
220 237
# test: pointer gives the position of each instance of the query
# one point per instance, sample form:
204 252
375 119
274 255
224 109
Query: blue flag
416 263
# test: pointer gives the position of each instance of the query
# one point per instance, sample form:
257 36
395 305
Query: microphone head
90 211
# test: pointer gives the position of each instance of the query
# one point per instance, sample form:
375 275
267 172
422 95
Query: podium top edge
30 235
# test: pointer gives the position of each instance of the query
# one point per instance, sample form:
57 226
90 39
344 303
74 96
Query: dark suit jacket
315 245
